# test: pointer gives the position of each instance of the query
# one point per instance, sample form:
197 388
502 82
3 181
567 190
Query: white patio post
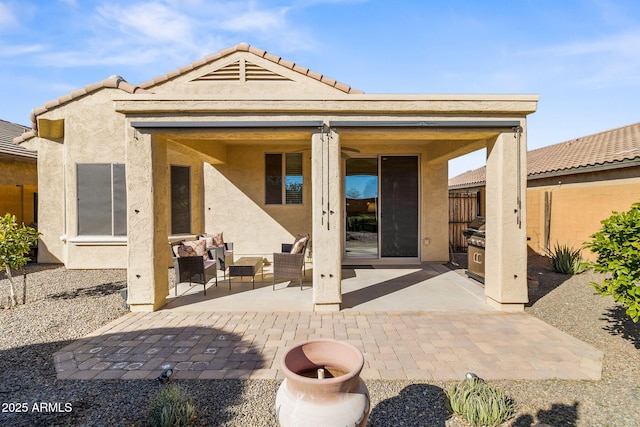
327 221
147 221
506 240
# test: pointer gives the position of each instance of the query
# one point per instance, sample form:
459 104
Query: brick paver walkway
421 346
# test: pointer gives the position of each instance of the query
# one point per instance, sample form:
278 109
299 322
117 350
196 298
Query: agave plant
479 403
566 260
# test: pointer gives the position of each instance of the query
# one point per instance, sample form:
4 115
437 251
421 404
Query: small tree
617 244
15 244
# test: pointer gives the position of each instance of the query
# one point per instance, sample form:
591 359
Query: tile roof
114 82
608 148
245 47
470 178
119 83
8 131
612 146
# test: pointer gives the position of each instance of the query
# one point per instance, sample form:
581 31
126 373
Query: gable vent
242 71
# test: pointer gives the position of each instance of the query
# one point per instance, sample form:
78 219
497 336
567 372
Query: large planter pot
340 398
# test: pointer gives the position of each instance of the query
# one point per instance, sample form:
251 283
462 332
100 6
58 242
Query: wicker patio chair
290 266
223 253
194 269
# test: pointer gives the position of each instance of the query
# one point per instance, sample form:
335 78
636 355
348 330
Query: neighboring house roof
119 83
8 131
608 149
472 178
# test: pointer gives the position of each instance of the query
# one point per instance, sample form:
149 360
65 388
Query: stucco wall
90 138
13 173
18 183
51 201
435 206
576 210
235 193
235 201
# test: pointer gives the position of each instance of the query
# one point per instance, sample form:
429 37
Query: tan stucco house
265 149
18 175
572 186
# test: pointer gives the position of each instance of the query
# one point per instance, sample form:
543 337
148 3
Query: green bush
566 260
171 407
617 244
479 404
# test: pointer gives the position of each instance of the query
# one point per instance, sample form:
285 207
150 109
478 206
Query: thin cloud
608 61
9 16
167 32
625 44
260 20
9 51
148 23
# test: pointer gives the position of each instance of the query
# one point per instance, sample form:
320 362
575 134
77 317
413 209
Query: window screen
273 179
293 179
102 199
180 199
283 177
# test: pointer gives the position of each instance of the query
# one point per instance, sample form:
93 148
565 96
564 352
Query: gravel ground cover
64 305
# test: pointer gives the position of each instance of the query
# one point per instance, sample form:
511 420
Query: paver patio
421 346
422 322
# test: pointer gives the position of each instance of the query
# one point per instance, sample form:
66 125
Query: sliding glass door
382 209
361 192
399 206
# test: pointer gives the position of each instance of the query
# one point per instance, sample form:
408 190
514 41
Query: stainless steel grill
475 235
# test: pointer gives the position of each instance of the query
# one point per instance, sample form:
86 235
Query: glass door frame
379 258
364 256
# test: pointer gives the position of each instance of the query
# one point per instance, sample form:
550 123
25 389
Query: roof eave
586 169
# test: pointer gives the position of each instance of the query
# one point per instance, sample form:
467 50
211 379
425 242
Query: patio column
506 242
147 224
327 221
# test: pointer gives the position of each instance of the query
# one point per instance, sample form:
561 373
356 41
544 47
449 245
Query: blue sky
582 57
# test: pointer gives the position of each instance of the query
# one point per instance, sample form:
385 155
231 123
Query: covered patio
429 287
232 197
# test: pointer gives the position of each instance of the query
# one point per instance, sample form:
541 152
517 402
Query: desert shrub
16 241
566 260
479 403
617 245
172 406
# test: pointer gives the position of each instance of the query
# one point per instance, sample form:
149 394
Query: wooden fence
463 208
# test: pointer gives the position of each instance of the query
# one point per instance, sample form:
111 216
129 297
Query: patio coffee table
246 266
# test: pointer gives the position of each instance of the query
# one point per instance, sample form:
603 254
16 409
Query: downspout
517 135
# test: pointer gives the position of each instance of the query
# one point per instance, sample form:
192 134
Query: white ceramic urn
322 386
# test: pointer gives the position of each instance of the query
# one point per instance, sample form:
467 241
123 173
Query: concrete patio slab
421 287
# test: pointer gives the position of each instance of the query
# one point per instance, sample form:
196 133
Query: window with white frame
283 179
102 199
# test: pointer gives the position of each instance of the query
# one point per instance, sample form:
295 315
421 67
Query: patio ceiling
211 144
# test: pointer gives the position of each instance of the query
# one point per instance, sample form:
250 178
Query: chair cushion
193 248
298 244
213 240
175 248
